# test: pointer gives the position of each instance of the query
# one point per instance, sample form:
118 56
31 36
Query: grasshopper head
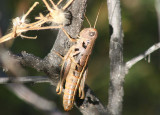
89 33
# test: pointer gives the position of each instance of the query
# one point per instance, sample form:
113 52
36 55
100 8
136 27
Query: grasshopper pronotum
74 66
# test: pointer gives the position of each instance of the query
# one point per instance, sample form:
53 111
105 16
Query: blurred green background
142 83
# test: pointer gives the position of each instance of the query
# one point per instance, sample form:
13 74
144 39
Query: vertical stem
157 6
116 58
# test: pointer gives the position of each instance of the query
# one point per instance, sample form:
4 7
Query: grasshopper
74 65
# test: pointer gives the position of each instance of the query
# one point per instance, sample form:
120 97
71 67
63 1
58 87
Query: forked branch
148 52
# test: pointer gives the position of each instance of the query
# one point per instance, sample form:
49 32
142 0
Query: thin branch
27 79
133 61
116 58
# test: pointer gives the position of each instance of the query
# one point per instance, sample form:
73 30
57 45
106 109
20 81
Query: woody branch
50 64
118 69
116 58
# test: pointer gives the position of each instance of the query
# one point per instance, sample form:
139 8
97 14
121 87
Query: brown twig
19 23
55 15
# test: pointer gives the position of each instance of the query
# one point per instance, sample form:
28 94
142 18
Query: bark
116 58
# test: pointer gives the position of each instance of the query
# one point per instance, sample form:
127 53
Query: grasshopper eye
91 33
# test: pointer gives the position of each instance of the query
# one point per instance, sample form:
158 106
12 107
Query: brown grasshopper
74 66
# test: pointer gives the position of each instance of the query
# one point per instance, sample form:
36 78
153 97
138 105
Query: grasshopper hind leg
82 84
63 74
60 86
65 67
62 79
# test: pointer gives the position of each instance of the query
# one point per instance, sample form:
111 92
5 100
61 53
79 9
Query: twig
133 61
27 79
116 58
18 24
55 15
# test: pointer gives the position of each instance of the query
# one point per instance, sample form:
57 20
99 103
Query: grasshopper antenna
87 20
97 17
